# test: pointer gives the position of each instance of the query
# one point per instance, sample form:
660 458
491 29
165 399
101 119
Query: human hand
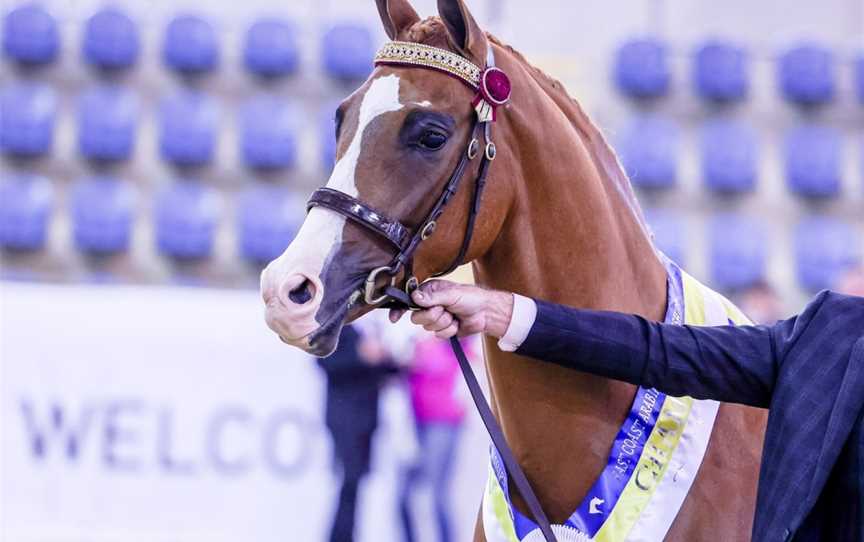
452 309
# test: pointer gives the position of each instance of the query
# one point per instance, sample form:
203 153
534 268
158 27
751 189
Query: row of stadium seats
108 117
185 217
739 248
806 73
730 152
187 214
190 44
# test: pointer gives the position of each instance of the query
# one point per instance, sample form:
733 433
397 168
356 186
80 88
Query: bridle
394 232
398 235
492 91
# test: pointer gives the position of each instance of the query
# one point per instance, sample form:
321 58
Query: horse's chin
323 341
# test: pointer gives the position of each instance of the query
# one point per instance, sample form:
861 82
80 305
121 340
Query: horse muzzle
291 304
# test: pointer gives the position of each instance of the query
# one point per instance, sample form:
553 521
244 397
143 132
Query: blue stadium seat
269 218
813 161
30 35
102 211
807 75
111 39
107 122
268 133
738 251
649 152
824 249
191 45
272 48
730 156
642 68
26 202
720 72
187 215
27 114
327 135
188 128
347 51
668 230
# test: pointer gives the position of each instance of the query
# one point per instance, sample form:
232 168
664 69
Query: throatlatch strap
492 427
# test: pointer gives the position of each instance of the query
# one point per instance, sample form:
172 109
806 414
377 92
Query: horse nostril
302 293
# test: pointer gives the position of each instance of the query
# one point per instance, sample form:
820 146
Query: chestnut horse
558 221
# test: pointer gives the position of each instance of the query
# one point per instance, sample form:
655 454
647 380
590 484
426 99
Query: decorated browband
492 84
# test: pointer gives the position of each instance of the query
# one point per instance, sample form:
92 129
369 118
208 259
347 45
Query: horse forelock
429 31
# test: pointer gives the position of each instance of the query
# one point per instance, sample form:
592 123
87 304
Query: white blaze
322 229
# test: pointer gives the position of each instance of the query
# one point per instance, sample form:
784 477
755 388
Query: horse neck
575 233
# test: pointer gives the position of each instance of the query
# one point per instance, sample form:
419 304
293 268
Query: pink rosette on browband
493 91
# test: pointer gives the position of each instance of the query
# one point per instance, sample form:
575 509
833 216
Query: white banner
138 413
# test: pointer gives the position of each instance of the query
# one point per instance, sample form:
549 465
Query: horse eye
432 140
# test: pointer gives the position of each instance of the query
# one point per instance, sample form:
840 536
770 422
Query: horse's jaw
323 341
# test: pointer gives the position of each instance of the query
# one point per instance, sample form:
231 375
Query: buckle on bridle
428 230
491 151
369 290
473 147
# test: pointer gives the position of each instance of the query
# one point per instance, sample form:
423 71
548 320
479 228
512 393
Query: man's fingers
442 322
436 292
427 316
448 331
396 315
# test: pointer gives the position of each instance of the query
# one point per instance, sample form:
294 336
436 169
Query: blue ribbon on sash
627 448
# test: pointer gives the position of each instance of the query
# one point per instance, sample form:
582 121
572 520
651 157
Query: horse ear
463 29
397 15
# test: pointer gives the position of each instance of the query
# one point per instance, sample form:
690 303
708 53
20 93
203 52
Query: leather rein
493 90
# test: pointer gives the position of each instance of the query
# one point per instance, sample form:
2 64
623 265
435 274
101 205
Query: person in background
355 372
761 303
852 282
439 413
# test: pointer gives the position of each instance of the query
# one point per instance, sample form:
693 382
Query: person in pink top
437 399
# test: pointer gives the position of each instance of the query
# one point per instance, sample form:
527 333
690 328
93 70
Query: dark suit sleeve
736 364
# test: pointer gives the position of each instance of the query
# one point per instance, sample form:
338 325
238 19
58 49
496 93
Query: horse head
559 221
399 138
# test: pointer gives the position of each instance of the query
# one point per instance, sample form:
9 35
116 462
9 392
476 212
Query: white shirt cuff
521 321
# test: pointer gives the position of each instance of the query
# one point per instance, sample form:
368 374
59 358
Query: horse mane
604 157
431 31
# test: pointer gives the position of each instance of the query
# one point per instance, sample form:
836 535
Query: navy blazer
808 370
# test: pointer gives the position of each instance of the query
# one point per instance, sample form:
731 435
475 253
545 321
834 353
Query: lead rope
495 433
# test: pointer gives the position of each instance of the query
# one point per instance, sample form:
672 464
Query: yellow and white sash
658 483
